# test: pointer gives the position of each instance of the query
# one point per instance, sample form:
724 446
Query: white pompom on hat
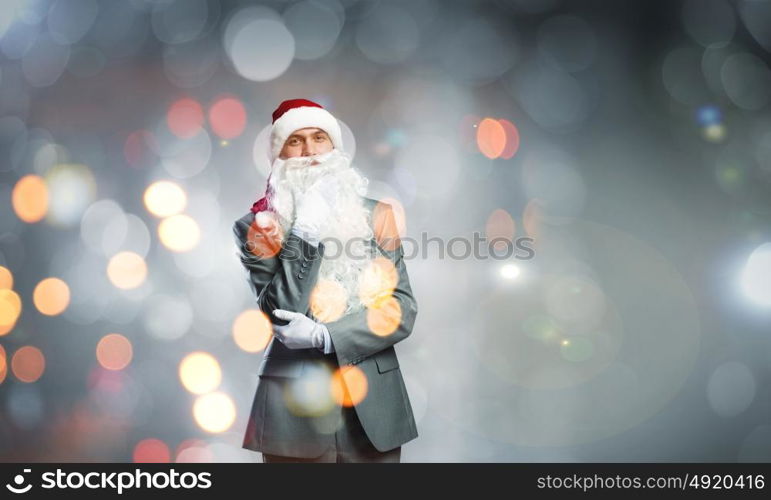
294 114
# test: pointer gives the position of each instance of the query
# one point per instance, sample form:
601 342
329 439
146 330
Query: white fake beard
348 218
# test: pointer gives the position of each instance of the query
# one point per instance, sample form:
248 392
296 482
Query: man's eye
320 138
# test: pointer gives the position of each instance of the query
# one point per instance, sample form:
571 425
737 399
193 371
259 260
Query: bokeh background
631 140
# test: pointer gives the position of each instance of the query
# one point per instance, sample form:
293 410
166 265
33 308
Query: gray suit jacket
285 281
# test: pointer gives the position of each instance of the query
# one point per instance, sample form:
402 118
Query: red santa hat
294 114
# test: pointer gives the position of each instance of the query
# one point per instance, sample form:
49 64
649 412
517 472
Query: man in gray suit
330 387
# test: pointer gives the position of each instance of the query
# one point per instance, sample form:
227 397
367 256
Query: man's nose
309 149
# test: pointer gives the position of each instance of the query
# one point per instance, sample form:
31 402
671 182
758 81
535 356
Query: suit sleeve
357 336
281 277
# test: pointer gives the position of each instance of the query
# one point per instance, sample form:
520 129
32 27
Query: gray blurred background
630 140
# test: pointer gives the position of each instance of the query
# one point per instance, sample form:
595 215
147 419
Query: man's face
306 142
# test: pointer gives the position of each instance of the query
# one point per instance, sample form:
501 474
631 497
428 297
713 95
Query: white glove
315 205
301 332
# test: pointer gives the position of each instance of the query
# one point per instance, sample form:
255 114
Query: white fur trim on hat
302 117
